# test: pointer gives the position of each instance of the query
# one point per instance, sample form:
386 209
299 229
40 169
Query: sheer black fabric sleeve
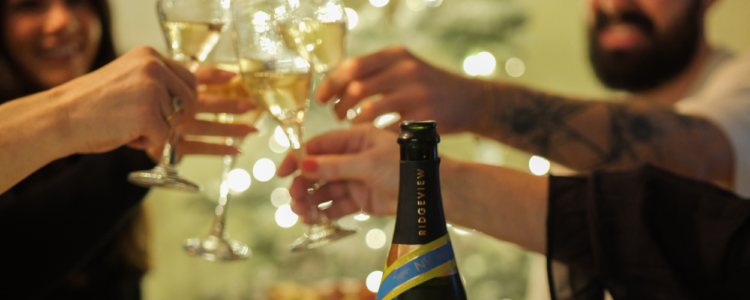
646 234
47 232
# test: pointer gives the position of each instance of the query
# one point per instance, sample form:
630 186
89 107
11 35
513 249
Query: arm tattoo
541 124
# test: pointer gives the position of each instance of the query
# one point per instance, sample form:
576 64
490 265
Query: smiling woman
46 43
77 226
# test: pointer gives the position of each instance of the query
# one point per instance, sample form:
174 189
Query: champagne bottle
420 264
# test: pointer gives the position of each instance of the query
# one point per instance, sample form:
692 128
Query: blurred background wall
539 43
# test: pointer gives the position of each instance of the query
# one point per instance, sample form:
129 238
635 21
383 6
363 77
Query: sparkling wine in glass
192 28
317 30
217 246
280 79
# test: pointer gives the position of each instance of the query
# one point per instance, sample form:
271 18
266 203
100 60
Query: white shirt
725 100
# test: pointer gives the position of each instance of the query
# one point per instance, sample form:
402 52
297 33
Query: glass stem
220 216
296 140
169 155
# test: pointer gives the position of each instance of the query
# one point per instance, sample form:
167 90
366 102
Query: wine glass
192 28
217 246
280 79
316 29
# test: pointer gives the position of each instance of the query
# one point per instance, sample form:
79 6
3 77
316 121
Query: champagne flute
317 30
217 246
280 79
192 28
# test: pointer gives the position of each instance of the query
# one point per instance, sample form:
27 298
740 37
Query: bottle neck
419 151
420 218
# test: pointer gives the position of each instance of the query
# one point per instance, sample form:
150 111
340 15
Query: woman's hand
209 103
360 165
125 102
410 86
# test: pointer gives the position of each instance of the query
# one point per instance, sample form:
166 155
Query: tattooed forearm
589 135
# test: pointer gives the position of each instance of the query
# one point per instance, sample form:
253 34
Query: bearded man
688 109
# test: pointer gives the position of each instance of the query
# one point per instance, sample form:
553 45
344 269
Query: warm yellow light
481 64
352 17
538 165
379 3
375 239
386 120
285 217
373 281
515 67
238 180
362 217
264 169
280 197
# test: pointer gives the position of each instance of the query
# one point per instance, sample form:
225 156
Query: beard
664 56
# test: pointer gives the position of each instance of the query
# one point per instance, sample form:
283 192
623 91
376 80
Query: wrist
485 98
55 122
452 174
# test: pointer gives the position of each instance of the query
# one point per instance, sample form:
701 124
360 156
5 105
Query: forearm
503 203
31 137
590 135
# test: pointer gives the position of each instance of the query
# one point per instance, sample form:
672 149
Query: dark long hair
127 252
14 83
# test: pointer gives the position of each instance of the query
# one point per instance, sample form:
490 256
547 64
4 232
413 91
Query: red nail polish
309 165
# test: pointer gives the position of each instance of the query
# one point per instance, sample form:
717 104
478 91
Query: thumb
337 167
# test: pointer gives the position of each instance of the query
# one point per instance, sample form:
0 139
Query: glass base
215 249
159 177
320 235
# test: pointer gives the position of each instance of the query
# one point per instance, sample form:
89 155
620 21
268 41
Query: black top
54 231
646 234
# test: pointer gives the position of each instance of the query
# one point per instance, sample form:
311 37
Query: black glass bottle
420 264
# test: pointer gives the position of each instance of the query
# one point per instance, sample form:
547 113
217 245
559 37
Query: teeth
62 51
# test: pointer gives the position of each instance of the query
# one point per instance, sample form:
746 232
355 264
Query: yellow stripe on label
420 279
416 253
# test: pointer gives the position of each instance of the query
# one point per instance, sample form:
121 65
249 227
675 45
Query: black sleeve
47 232
646 234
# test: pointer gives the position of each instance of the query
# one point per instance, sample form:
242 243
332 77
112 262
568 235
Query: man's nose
60 19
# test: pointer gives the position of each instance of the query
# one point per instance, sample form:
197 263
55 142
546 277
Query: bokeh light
280 197
264 169
362 217
386 120
352 17
433 3
238 180
515 67
285 217
279 143
481 64
351 114
375 238
379 3
538 165
373 281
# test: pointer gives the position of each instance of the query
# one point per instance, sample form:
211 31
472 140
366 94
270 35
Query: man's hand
361 166
410 86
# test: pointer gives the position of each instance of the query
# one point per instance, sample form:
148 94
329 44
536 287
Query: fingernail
226 74
309 165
